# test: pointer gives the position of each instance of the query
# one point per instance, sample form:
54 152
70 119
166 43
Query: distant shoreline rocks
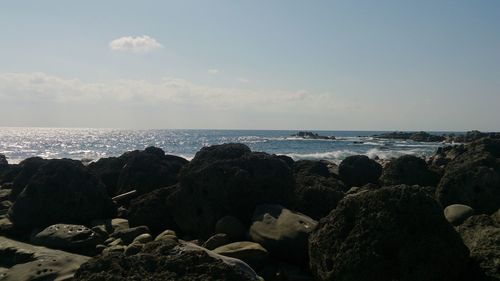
312 136
448 138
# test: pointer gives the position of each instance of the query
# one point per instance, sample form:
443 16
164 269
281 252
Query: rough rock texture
394 233
282 232
153 210
62 191
473 178
358 170
316 190
67 237
408 169
482 235
456 214
166 260
231 180
28 168
108 171
148 170
24 262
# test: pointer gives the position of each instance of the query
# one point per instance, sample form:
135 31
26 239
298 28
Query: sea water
91 144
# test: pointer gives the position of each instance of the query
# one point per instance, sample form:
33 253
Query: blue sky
355 65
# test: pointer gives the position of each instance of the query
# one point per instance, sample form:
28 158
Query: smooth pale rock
282 232
143 238
393 233
230 226
482 235
25 262
251 253
169 234
128 235
133 248
457 213
69 237
216 241
167 260
119 224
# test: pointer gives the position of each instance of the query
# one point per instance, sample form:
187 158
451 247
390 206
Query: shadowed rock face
358 170
61 191
316 190
108 171
473 177
408 169
28 168
148 170
166 260
228 180
394 233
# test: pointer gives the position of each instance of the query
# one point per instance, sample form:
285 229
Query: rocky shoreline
234 214
448 138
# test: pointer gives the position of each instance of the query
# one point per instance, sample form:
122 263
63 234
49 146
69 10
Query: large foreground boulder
408 169
61 191
23 262
473 178
394 233
482 235
166 260
282 232
358 170
316 190
231 180
68 237
148 170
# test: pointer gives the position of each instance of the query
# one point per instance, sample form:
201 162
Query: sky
261 64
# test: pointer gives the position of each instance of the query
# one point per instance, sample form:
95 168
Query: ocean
20 143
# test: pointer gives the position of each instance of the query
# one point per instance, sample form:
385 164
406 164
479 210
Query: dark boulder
3 160
148 170
61 191
473 178
482 235
166 260
68 237
108 171
225 180
408 169
358 170
316 190
393 233
28 168
153 210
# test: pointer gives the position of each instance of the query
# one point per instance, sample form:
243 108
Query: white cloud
213 71
139 44
243 80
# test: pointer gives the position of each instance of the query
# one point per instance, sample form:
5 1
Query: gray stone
128 235
251 253
114 249
282 232
169 234
69 237
119 224
216 241
143 238
26 262
133 248
457 213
